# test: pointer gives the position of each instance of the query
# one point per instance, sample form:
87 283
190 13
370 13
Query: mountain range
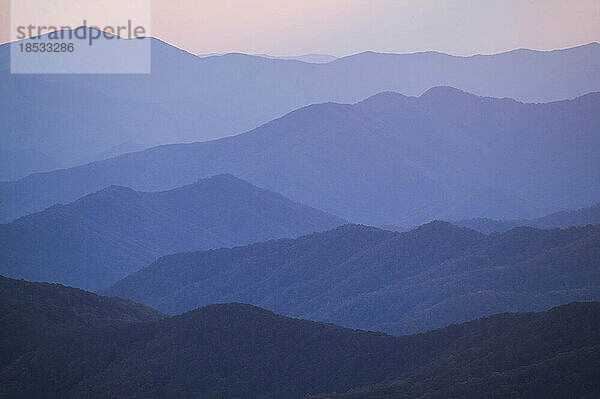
367 278
390 159
102 237
73 344
201 226
188 98
562 219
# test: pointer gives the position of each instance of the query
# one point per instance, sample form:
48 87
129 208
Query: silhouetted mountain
188 98
81 306
240 351
363 277
16 165
523 360
563 219
390 159
105 236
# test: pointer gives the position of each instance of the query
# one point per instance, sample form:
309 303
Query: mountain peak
446 228
445 92
118 230
437 225
384 97
220 180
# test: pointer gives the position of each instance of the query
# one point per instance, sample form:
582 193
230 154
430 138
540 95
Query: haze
286 27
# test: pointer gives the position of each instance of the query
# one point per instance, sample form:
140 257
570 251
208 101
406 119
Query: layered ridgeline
240 351
18 164
363 277
505 366
390 159
188 98
102 237
563 219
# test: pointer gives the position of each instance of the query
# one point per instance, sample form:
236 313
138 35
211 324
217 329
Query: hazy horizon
285 28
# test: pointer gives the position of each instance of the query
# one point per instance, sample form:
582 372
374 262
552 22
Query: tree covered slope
240 351
363 277
562 219
102 237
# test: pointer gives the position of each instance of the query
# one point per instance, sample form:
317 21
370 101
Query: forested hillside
563 219
363 277
240 351
101 238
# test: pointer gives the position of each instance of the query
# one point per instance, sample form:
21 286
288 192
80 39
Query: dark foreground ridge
62 342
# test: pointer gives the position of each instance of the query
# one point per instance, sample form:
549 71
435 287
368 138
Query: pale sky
294 27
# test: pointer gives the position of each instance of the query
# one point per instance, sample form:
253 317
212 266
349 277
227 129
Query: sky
294 27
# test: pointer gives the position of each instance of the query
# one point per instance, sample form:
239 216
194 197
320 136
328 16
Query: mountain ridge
129 105
561 219
104 236
363 277
412 158
236 350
